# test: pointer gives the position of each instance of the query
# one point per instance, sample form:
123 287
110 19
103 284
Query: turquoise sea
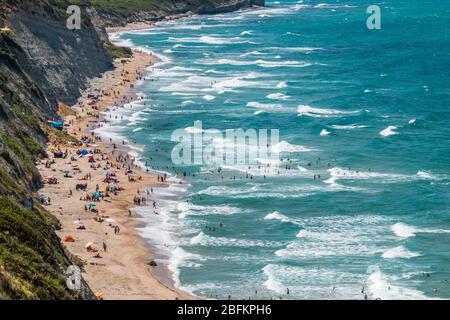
367 110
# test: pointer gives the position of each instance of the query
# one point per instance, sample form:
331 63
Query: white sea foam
280 217
209 40
378 177
309 111
282 85
118 41
272 283
404 231
346 174
260 63
348 127
187 102
252 53
265 106
379 287
187 209
324 133
209 97
298 49
238 82
259 112
322 236
281 191
202 239
285 146
400 252
212 71
246 33
429 176
306 281
332 6
389 131
179 257
278 96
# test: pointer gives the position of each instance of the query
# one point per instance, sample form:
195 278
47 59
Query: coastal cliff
43 65
153 10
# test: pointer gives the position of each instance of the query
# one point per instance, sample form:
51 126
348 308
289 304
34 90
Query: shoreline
121 271
138 26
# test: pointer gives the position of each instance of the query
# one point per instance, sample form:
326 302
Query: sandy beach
96 222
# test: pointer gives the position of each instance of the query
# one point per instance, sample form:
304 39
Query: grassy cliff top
124 7
130 7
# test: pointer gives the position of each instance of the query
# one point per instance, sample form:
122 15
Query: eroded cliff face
41 62
58 59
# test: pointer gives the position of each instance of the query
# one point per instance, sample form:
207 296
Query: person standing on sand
104 247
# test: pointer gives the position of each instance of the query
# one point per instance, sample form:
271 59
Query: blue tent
57 124
84 152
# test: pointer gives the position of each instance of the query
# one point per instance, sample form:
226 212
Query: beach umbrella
91 205
89 244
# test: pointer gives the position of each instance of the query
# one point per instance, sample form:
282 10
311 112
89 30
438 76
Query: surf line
213 147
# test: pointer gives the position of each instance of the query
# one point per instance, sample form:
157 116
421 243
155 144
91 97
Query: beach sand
122 272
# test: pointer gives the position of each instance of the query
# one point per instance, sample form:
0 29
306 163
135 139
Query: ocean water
367 110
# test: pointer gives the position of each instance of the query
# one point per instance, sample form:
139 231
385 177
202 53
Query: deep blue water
367 110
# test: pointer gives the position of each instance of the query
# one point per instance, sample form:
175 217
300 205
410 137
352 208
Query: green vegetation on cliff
117 52
119 12
30 254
